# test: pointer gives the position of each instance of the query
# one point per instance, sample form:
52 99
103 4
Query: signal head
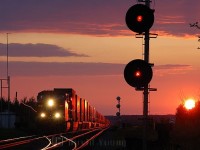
118 114
139 18
138 73
118 98
118 105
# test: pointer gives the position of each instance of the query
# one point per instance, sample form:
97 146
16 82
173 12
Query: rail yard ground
11 133
127 134
127 138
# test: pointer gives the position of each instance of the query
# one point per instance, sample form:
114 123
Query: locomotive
62 109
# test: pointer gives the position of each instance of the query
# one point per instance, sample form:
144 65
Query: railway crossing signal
138 73
139 18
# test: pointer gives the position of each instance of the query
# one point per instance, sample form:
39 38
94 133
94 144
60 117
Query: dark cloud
61 16
174 17
81 68
104 17
37 50
62 69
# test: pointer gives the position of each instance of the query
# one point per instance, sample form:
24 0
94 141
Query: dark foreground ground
129 138
11 133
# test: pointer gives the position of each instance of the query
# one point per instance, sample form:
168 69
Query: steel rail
14 139
17 143
92 138
75 137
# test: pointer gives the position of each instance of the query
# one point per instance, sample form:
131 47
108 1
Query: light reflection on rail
11 143
75 145
18 138
48 144
75 137
61 143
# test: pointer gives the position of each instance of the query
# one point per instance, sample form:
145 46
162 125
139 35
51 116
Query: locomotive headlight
42 115
57 115
50 102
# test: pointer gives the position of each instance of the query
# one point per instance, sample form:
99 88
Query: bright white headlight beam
50 102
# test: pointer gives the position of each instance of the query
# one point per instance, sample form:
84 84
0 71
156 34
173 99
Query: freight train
62 109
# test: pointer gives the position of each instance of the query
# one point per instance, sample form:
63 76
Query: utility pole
8 77
8 83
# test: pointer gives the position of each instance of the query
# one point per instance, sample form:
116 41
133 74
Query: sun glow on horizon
189 104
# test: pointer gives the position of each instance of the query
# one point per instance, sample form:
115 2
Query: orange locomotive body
63 109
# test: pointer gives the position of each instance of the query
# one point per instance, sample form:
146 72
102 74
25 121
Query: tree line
24 112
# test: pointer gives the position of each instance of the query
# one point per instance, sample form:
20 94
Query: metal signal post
146 87
146 90
139 19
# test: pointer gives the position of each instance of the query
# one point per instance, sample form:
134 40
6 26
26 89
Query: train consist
63 109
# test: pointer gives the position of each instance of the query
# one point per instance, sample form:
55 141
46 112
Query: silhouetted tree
187 131
196 26
189 120
4 104
27 114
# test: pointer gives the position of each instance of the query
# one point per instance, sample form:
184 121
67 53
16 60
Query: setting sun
189 104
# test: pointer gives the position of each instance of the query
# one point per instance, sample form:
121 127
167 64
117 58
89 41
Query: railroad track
70 140
26 142
76 142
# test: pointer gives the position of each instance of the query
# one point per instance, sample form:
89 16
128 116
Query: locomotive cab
51 108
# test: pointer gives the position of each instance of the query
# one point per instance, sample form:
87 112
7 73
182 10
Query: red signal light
137 74
139 18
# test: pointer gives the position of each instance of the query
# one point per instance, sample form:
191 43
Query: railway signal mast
138 73
118 106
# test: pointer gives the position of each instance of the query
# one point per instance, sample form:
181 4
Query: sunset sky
85 45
